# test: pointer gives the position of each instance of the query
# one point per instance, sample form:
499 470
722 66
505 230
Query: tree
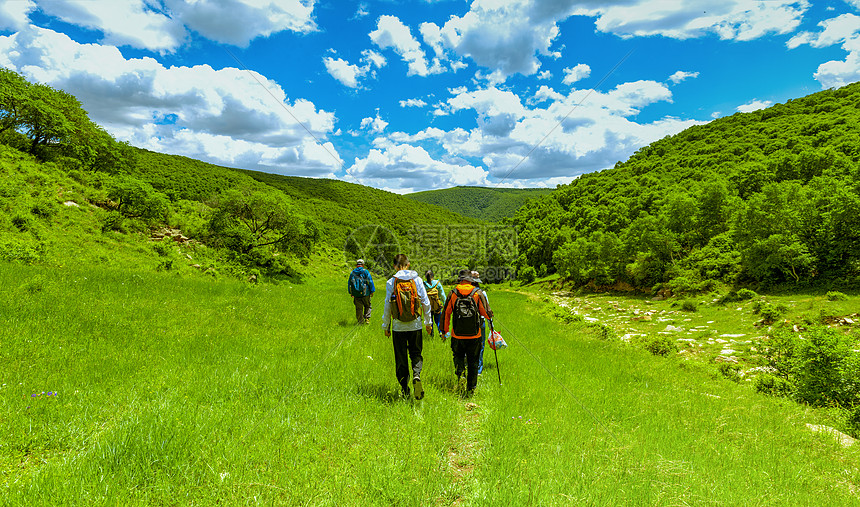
13 96
251 219
136 199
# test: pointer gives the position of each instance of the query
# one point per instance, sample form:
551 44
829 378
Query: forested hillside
236 221
767 197
486 203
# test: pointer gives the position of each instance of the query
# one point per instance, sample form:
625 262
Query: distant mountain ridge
484 203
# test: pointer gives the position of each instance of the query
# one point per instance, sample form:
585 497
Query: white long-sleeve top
414 325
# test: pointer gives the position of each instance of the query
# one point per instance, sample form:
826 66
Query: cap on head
464 275
359 262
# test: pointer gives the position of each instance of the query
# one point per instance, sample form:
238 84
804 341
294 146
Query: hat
464 275
359 262
476 277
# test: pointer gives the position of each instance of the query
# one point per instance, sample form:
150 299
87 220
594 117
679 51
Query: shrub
527 275
689 306
660 345
604 332
835 295
853 422
744 294
113 222
770 313
827 369
773 385
730 371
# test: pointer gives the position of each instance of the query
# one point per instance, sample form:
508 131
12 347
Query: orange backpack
404 301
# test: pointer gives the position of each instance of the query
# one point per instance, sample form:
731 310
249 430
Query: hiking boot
417 388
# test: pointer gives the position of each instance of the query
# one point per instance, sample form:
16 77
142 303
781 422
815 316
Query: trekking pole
495 354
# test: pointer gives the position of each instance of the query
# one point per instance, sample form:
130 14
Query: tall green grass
193 391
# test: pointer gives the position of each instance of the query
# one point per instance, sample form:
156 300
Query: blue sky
425 94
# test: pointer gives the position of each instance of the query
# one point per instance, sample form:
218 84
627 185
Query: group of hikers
460 316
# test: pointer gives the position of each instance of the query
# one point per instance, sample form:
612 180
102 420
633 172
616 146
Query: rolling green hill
763 198
485 203
78 186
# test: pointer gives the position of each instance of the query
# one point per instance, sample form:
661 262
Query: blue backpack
360 284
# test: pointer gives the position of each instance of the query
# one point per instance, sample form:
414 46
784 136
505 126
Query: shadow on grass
346 323
381 392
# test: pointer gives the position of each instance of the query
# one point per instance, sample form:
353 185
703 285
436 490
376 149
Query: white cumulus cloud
844 30
392 33
228 116
754 105
164 25
681 75
406 168
574 74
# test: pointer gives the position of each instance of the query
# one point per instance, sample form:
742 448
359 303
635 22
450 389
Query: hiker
406 303
360 287
461 323
476 281
436 294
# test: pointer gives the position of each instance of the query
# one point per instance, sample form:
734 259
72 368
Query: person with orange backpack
406 303
462 323
436 294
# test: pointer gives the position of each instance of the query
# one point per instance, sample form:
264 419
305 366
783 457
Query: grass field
160 389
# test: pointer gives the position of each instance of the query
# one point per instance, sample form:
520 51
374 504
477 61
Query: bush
660 345
730 371
113 222
604 332
744 294
770 314
827 369
689 305
835 295
852 422
527 275
773 385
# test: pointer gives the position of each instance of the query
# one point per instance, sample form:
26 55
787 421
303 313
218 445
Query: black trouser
466 353
362 308
407 346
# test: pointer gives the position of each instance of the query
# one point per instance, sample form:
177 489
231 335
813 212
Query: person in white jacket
401 317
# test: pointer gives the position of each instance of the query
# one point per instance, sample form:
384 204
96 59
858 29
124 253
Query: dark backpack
465 315
360 285
404 301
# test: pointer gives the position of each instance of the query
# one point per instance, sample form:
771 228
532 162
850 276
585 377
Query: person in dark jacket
360 287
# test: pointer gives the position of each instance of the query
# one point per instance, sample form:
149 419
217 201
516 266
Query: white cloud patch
15 15
374 125
728 19
350 74
544 75
681 75
408 168
392 33
574 74
572 136
844 30
343 71
225 116
164 26
510 36
412 103
754 105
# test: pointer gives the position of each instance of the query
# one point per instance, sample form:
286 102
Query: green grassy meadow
165 389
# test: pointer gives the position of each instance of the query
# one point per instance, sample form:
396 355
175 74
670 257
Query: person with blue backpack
360 287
